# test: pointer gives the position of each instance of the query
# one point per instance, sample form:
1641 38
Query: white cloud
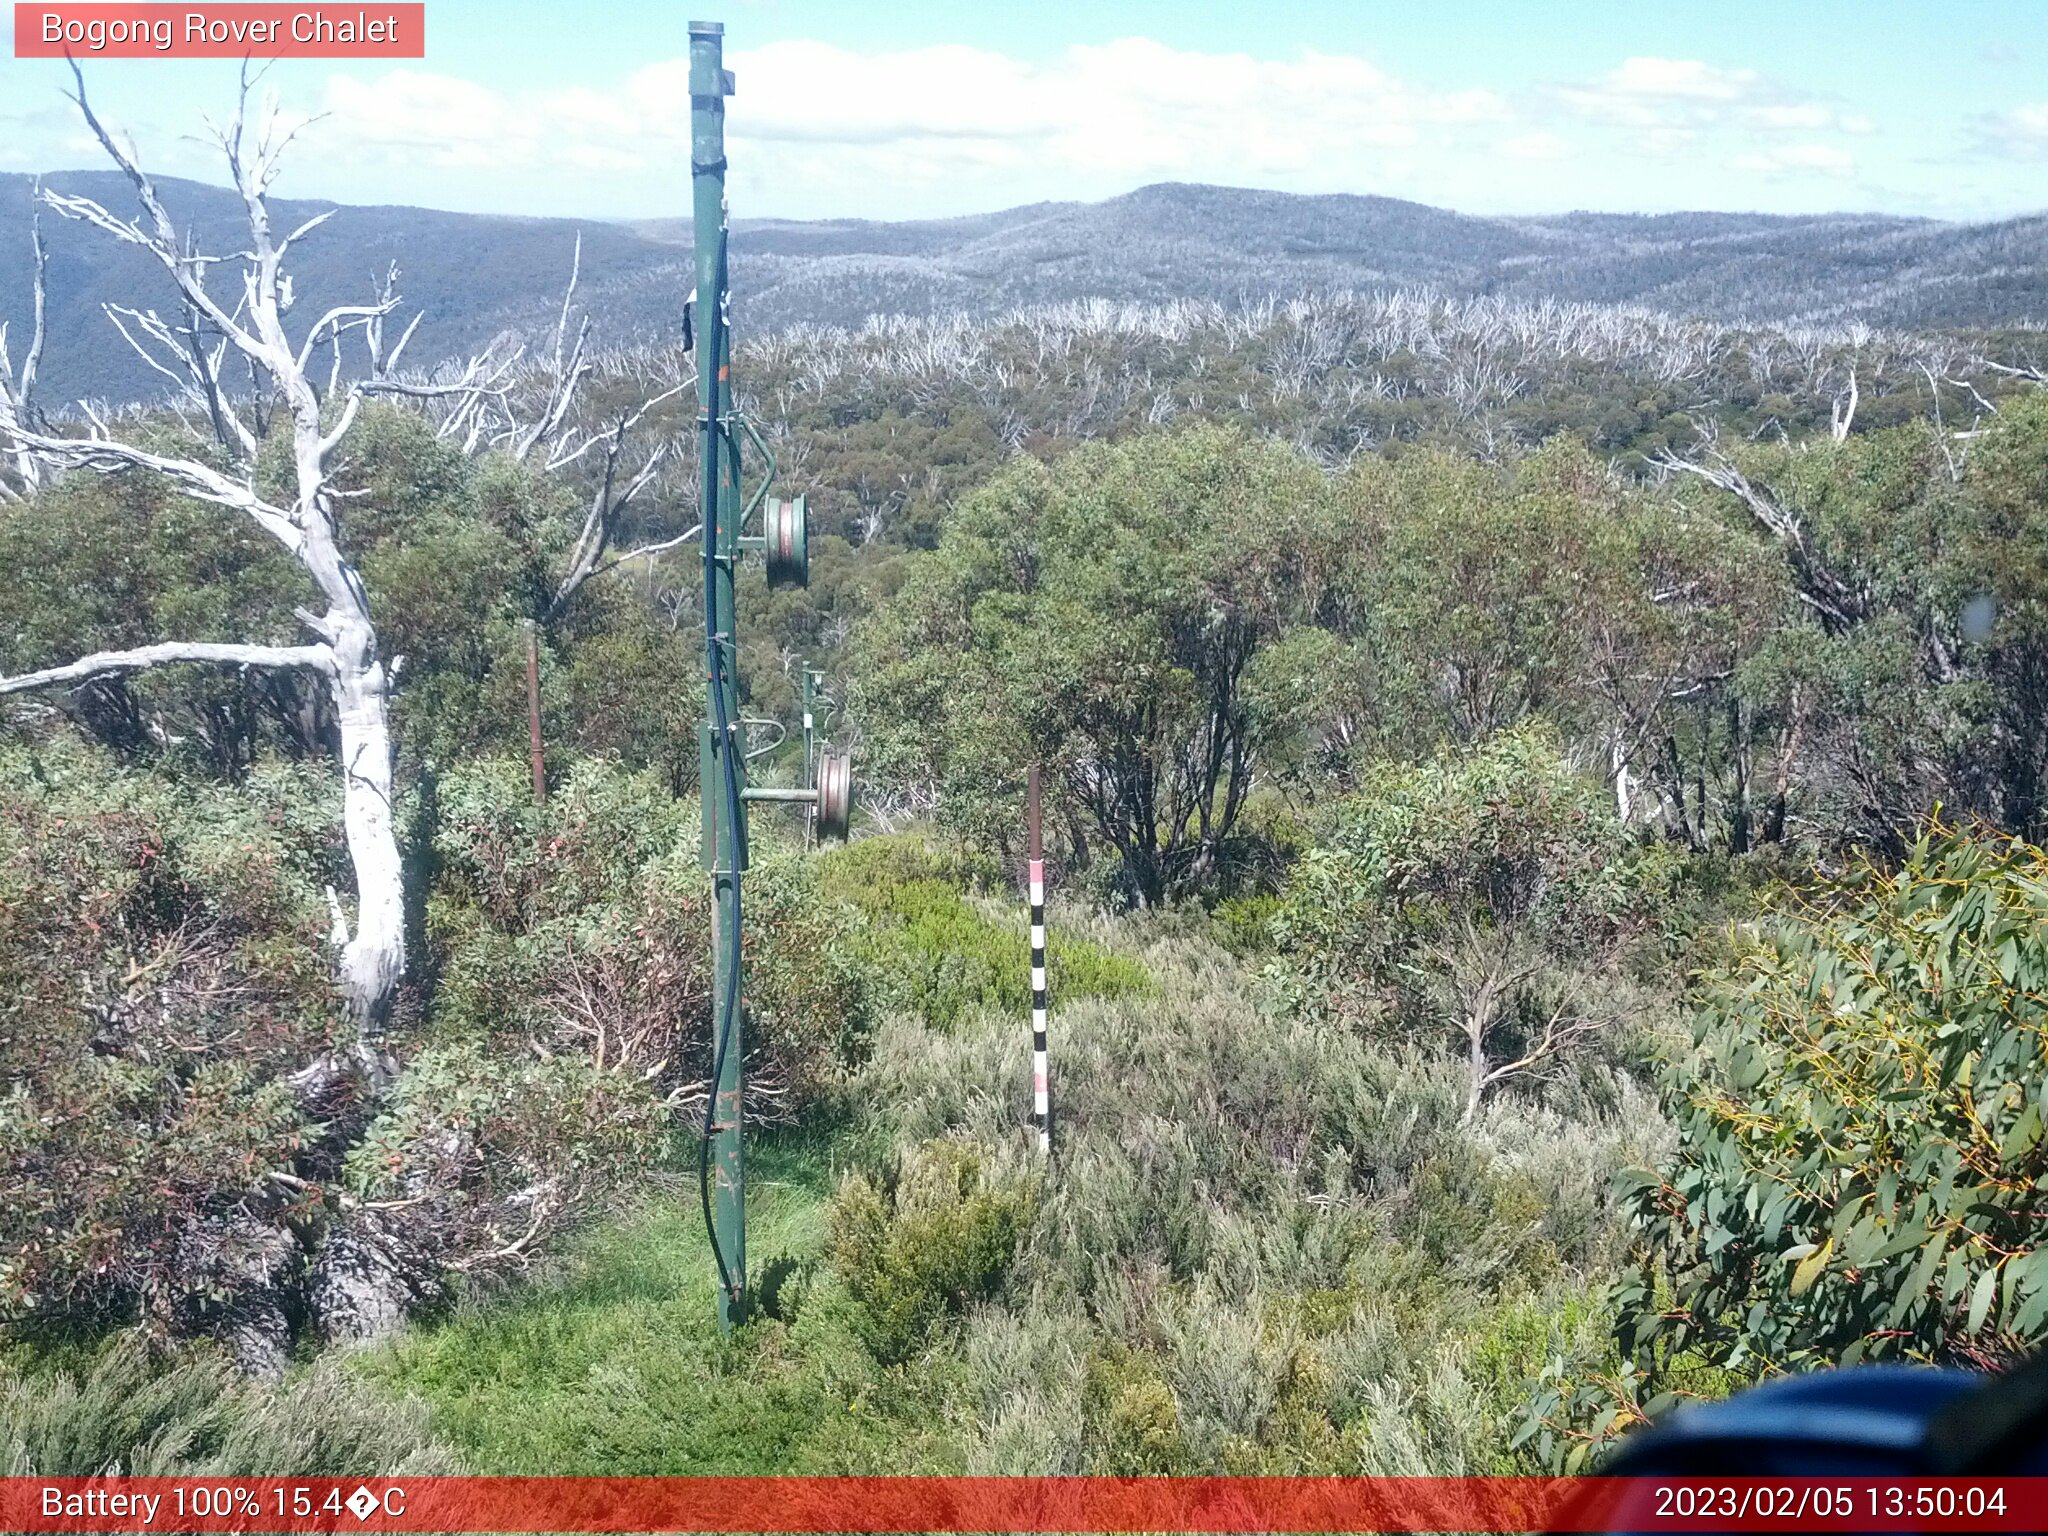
2020 134
1651 93
1797 160
1648 92
1805 115
442 119
40 138
1131 109
1535 146
1686 79
823 130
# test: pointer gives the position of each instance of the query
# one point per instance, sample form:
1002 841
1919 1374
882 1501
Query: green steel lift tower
722 753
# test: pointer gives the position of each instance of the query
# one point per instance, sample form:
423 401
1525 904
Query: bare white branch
1842 410
165 653
101 453
1837 604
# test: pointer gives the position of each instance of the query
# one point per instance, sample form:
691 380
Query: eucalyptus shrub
1488 898
161 976
1504 835
165 1154
583 927
1861 1167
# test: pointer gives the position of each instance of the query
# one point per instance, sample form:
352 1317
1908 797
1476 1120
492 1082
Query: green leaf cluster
1861 1168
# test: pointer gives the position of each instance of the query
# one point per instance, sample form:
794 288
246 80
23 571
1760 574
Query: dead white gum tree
214 334
18 387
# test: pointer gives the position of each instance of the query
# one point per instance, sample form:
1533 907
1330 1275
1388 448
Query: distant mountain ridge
479 275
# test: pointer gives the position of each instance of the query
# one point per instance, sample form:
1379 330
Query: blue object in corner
1868 1420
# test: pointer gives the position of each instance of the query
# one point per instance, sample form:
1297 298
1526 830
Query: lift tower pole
721 777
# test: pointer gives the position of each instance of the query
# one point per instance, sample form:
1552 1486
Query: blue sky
897 110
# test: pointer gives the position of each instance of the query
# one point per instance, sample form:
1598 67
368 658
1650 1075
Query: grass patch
614 1365
132 1409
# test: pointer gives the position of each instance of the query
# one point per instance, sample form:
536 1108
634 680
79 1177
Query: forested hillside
480 276
1544 807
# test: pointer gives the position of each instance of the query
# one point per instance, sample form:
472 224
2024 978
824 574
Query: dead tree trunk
1837 601
345 651
18 387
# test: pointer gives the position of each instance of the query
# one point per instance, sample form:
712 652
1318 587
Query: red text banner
1063 1504
220 31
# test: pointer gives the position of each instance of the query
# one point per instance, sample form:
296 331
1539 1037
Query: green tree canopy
1474 893
458 554
1099 616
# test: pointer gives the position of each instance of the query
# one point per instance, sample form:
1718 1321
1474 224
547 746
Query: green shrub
941 1238
930 949
585 925
1133 1422
488 1159
165 978
1506 835
1244 924
1272 1246
129 1412
1486 900
865 871
1859 1153
161 976
1861 1129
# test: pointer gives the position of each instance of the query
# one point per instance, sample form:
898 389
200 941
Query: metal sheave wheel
786 533
835 796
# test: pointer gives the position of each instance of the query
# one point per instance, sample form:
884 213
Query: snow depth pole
1041 1087
721 768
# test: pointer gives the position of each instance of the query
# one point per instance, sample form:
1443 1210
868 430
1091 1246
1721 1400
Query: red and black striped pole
1041 1096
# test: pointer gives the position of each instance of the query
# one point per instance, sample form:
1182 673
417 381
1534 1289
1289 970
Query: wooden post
810 681
1041 1094
540 774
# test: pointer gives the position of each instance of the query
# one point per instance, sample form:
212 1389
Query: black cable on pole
714 655
729 1010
